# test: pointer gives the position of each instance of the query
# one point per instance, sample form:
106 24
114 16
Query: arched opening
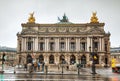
62 59
29 59
51 59
83 59
41 58
72 59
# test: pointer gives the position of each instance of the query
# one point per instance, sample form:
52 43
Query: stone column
22 45
99 49
66 47
36 44
77 44
25 44
47 44
102 44
88 43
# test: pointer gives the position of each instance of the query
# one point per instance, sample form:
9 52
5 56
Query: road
102 75
34 77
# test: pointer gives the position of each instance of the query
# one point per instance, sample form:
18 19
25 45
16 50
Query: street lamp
94 58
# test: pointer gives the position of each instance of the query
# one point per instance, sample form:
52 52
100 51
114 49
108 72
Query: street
28 77
103 74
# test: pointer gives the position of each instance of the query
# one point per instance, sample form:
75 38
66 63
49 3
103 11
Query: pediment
29 31
96 31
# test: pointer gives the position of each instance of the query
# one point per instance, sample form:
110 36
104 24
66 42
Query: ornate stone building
63 42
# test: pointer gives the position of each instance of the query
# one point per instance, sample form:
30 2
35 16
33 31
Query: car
116 69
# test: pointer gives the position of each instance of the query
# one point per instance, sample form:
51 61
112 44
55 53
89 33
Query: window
51 59
62 46
82 46
29 45
51 46
42 45
72 46
95 45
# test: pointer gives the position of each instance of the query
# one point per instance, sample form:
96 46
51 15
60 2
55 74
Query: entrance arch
29 59
51 59
72 59
41 58
62 59
83 59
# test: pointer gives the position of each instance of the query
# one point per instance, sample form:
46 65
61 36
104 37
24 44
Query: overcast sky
15 12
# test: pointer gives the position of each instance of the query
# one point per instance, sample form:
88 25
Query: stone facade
63 42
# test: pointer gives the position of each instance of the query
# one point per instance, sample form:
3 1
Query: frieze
96 31
72 29
52 29
82 29
42 29
29 31
62 29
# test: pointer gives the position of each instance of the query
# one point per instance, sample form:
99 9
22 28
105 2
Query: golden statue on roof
94 18
31 19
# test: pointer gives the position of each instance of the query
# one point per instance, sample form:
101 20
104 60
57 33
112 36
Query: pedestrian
38 66
113 63
43 66
35 66
25 67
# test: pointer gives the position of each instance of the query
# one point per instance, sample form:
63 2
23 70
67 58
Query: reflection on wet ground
36 77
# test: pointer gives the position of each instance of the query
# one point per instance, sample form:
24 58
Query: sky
15 12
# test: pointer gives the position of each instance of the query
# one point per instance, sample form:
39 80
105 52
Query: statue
31 19
64 19
94 18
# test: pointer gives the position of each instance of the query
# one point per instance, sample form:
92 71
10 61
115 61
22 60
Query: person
38 66
25 67
43 66
113 63
35 66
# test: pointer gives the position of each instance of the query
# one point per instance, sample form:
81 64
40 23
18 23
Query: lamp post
62 65
94 58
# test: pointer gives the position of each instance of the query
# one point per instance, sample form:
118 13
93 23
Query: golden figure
94 18
31 19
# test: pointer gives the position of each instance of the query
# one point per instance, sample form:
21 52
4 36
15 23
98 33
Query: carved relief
72 29
42 29
96 30
52 29
62 29
29 31
82 29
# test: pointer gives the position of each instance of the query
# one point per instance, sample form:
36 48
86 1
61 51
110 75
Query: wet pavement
34 77
56 75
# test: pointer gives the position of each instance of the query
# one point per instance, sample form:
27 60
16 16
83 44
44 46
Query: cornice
61 25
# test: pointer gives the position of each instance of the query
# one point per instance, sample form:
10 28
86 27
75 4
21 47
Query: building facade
115 52
63 42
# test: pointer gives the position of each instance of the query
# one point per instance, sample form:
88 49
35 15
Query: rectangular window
82 46
95 45
72 46
62 46
29 45
42 45
52 46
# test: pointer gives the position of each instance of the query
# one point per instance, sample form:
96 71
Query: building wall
81 37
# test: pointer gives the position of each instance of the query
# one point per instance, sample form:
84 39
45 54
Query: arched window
72 59
29 58
41 58
83 59
51 59
62 59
